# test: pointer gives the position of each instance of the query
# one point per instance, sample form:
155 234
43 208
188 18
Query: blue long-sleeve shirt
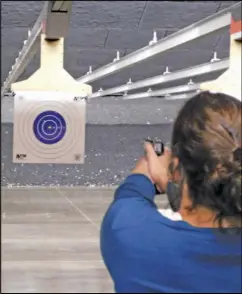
146 252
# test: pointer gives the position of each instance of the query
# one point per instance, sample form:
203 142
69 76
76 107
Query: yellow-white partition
230 81
51 76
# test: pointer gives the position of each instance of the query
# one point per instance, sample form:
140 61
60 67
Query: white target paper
49 127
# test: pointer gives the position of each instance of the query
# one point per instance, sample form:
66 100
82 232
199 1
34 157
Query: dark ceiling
100 28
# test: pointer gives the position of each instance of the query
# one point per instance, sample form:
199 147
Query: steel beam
56 5
164 92
174 76
206 26
57 22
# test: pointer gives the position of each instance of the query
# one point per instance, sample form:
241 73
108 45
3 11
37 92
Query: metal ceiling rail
54 20
174 76
180 96
206 26
163 92
26 54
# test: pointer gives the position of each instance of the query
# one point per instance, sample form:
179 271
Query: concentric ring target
51 151
49 127
51 130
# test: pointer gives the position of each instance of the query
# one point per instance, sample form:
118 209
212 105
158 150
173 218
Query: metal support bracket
57 21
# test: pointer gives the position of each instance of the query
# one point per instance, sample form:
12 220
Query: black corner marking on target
49 127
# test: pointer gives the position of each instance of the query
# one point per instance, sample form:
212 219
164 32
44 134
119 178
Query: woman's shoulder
129 225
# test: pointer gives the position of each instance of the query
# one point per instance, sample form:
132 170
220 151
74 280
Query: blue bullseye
49 127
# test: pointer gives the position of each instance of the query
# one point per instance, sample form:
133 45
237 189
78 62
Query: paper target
49 127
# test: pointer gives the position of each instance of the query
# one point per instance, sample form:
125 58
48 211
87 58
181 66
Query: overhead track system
165 93
54 22
204 27
165 78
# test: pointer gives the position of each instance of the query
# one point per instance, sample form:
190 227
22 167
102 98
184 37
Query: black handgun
157 145
159 148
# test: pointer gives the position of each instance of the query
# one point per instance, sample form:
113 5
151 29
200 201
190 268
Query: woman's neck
199 217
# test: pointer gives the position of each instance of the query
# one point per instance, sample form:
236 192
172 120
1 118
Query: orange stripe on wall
235 27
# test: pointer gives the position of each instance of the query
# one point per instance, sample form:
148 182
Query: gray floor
50 240
50 234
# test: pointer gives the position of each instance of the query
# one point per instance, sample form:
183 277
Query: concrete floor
50 240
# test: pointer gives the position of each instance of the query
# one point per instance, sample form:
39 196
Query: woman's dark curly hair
207 140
